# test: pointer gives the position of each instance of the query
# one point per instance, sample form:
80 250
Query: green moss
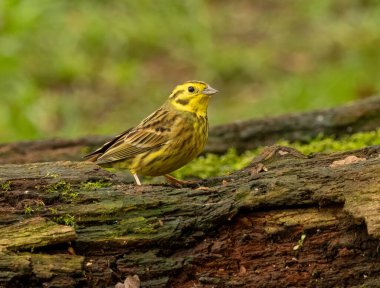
323 144
59 186
36 206
214 165
144 230
67 219
69 196
53 211
94 185
138 225
65 190
52 175
28 210
6 186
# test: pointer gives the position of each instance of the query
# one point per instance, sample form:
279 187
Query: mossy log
284 221
363 115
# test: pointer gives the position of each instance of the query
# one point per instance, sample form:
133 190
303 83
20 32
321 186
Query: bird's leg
179 183
137 179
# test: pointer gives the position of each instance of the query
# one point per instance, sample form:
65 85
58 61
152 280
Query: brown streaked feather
93 156
138 143
144 137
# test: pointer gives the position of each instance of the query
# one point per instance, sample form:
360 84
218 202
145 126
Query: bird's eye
191 89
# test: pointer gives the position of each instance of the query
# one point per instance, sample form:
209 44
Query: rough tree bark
308 221
237 231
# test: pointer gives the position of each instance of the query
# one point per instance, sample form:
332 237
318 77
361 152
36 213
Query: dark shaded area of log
241 230
363 115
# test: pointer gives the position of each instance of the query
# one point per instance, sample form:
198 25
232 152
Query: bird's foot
180 183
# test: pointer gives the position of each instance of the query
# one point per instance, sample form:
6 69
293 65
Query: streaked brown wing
148 135
107 145
135 143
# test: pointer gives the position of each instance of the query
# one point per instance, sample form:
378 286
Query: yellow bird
166 140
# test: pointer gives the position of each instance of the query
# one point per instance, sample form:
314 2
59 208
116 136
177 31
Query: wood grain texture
234 231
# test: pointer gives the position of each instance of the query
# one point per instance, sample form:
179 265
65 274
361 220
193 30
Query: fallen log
363 115
285 220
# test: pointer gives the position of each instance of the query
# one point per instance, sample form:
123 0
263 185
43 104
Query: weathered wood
31 270
363 115
238 230
33 233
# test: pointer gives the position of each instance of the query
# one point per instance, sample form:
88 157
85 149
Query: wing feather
144 137
94 155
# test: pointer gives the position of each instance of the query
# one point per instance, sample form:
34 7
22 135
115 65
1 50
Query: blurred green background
75 68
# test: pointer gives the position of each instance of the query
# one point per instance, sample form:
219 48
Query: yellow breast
188 138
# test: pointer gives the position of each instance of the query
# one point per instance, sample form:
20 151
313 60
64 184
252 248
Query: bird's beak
209 90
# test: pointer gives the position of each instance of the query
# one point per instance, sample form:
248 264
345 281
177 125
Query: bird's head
191 96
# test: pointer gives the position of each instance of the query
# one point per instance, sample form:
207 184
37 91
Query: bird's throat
197 105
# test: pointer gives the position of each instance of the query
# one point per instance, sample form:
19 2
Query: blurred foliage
323 144
71 68
214 165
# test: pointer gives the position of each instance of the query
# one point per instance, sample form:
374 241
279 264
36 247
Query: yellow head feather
191 96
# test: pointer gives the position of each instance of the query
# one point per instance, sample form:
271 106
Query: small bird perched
166 140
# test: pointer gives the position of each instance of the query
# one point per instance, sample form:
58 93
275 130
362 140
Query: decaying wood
363 115
242 230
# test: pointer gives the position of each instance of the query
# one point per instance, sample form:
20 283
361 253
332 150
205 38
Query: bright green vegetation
53 211
6 186
213 165
64 189
94 185
37 206
59 186
28 210
67 219
65 72
326 144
